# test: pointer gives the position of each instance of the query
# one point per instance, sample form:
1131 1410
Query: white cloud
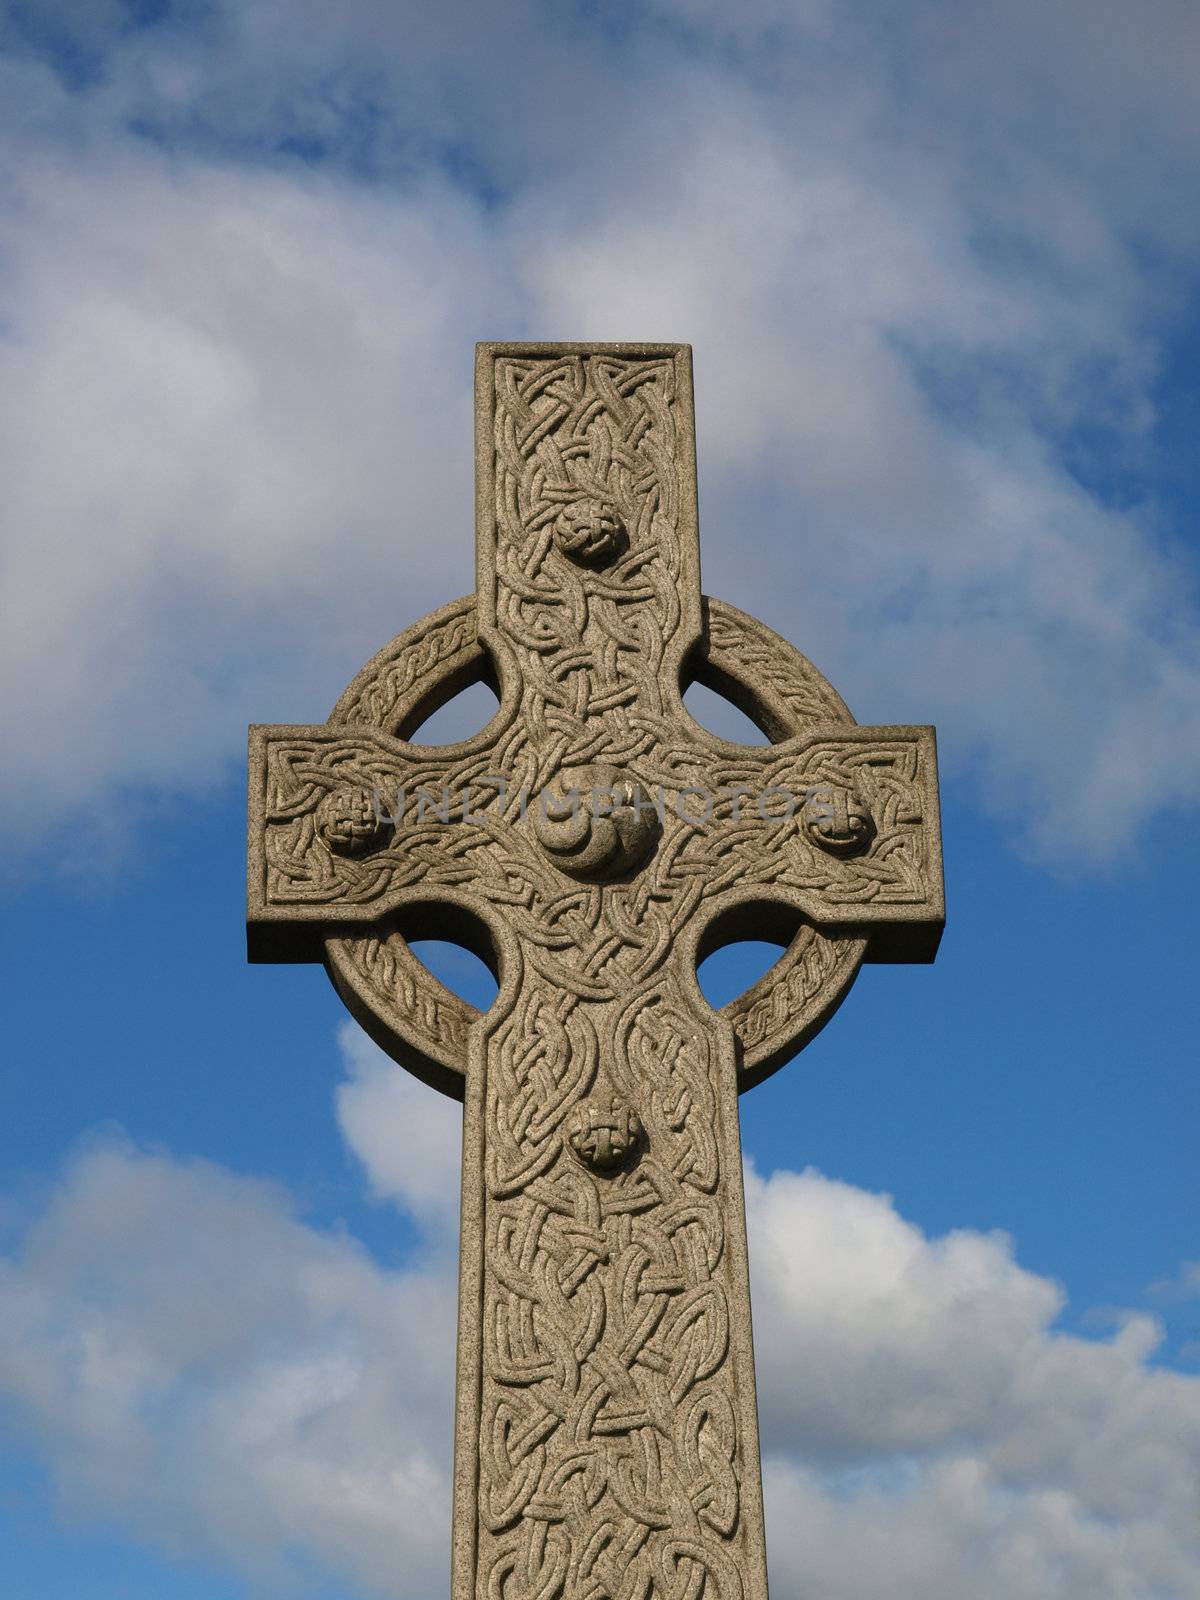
953 1526
917 1400
406 1135
914 1340
227 417
209 1372
237 417
1185 1285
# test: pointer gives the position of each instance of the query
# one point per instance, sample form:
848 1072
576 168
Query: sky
939 264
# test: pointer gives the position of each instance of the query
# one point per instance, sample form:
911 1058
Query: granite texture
592 844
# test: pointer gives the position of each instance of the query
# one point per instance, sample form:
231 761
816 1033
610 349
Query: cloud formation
244 267
203 1368
218 1379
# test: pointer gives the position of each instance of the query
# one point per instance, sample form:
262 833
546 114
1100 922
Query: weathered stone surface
606 1437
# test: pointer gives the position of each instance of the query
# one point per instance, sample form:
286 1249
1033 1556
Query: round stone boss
420 1022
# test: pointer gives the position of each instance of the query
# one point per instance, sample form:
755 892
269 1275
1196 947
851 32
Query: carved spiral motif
591 532
348 823
595 822
837 820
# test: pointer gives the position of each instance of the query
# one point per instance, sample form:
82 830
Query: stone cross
594 843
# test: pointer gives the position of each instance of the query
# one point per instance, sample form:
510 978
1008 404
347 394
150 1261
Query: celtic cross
593 843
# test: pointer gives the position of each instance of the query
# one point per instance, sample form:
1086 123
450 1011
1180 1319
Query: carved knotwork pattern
763 840
591 648
742 836
609 1442
767 1014
400 987
390 684
439 1021
752 652
396 980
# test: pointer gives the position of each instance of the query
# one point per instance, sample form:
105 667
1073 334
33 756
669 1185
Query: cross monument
593 844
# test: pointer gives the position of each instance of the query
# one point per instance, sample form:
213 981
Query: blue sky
939 268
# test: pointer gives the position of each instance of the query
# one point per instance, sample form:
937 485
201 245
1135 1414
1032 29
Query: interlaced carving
756 828
390 685
395 979
608 1426
609 1418
608 1444
743 826
781 677
432 1021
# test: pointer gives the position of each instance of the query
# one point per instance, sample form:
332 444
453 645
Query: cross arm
840 824
347 825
